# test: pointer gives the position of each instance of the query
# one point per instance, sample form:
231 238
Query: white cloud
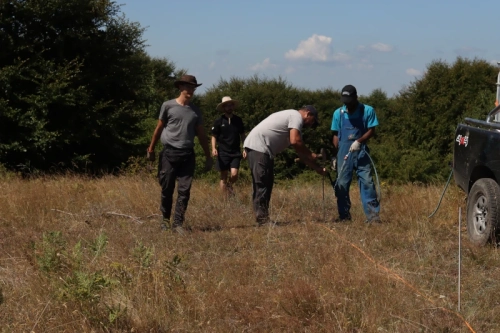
340 57
315 48
363 64
413 72
495 62
290 70
381 47
265 64
212 65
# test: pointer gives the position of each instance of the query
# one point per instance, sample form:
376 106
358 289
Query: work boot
230 190
181 230
342 219
165 224
373 220
262 221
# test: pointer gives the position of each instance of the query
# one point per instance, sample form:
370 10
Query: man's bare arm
200 133
367 135
335 140
214 148
156 135
304 153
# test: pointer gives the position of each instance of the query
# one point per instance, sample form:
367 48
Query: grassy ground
87 255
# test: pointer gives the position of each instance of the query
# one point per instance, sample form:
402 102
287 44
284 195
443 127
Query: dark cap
314 112
348 94
187 79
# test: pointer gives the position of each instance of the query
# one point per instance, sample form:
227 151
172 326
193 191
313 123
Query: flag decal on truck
462 140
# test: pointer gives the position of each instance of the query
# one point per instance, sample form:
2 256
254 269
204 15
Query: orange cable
400 278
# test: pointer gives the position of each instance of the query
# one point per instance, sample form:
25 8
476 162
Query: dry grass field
87 255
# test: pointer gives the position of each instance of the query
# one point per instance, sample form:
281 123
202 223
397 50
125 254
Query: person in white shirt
269 138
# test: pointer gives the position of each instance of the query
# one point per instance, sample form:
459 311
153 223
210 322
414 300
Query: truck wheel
483 210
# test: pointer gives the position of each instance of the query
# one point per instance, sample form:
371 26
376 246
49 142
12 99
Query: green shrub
50 252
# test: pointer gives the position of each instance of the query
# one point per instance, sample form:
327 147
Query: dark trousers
175 164
262 168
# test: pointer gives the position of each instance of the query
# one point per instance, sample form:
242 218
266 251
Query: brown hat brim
177 83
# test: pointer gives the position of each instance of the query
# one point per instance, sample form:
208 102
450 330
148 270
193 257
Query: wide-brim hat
187 79
226 100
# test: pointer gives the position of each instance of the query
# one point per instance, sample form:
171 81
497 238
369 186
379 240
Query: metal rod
497 99
324 218
488 124
459 252
323 164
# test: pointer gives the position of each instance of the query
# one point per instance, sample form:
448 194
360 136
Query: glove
334 163
355 146
151 156
209 162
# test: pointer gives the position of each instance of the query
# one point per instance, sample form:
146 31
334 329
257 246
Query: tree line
79 92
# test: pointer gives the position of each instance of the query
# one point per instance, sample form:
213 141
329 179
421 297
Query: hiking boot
343 219
374 220
263 221
181 230
230 190
165 224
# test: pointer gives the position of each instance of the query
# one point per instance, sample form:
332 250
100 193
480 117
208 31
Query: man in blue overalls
352 125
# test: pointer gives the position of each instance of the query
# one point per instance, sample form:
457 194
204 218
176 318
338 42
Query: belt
169 147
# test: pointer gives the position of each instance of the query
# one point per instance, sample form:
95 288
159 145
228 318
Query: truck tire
483 211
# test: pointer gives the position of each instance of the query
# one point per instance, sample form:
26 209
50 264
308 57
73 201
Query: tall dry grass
87 255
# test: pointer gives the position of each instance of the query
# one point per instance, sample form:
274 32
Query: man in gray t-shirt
269 138
179 122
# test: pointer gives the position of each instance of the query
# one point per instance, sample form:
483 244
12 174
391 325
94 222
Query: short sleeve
163 112
295 121
216 127
336 121
371 118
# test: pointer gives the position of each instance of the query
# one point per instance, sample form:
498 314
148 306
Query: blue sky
317 44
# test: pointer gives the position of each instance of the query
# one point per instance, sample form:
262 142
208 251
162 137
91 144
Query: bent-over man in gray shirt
269 138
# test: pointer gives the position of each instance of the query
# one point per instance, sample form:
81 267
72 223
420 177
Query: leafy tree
421 121
77 90
74 82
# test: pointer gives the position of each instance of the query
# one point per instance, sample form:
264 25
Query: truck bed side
476 153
